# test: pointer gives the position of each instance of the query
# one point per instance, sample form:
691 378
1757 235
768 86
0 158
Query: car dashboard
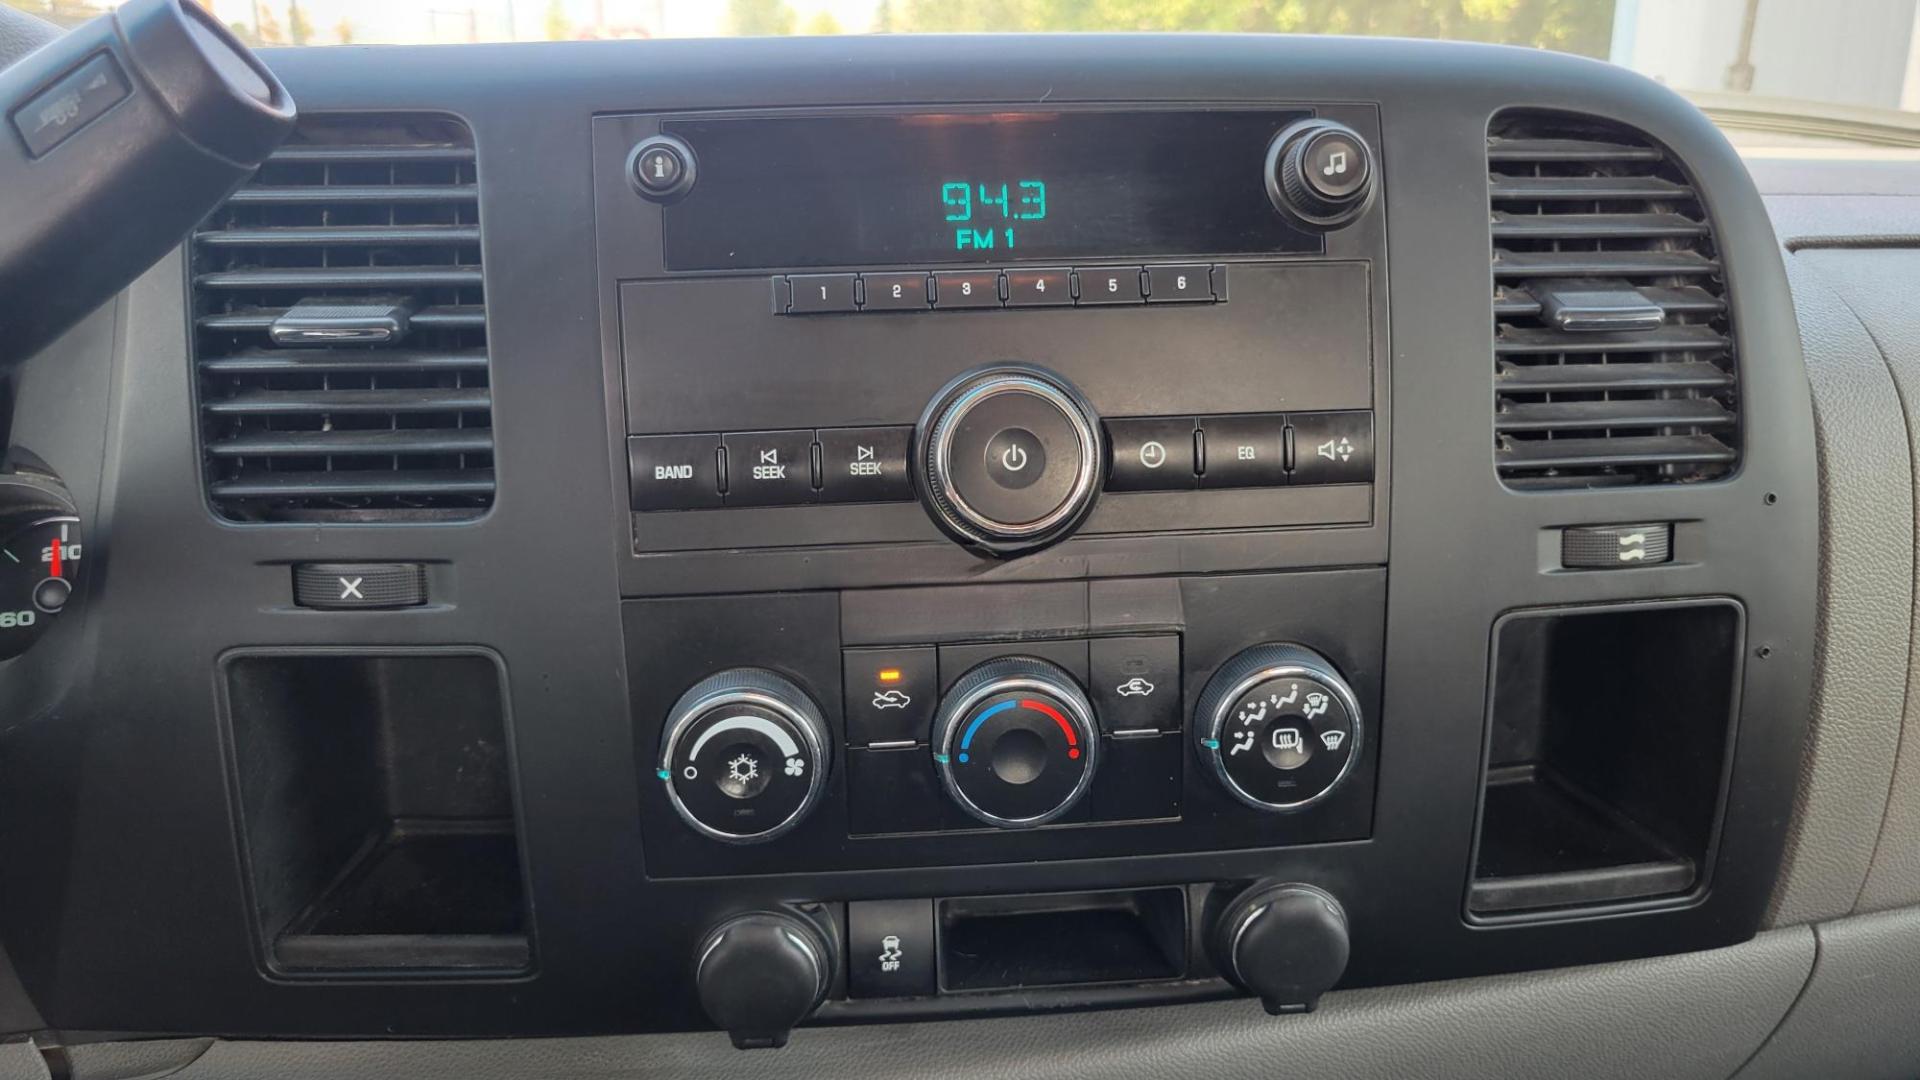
898 548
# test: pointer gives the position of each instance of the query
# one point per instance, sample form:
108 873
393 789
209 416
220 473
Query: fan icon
796 766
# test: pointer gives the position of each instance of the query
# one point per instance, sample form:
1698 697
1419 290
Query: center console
1098 343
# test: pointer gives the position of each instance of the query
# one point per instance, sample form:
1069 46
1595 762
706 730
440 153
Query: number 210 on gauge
996 206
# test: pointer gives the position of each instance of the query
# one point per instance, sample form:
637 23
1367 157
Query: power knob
744 755
1015 742
1320 174
1010 458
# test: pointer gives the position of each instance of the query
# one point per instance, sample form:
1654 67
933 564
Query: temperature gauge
40 559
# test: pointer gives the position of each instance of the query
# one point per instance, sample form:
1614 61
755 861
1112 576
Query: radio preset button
895 292
1040 288
967 289
1110 285
1151 454
1243 451
769 468
1332 448
819 294
864 464
673 472
1177 283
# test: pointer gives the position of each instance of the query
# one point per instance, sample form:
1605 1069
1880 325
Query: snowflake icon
743 769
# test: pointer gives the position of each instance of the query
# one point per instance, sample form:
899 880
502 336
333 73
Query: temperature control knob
744 755
1320 173
1015 742
1279 727
1009 458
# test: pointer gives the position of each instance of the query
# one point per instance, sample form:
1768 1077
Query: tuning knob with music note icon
1320 174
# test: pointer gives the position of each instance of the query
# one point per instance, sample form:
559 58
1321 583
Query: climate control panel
1182 714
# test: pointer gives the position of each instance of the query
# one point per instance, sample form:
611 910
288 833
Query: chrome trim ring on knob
762 689
949 408
1012 674
1248 670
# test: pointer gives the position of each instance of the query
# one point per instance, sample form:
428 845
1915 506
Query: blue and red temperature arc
1073 741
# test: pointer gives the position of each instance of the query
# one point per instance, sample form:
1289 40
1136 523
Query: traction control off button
359 586
1611 547
890 948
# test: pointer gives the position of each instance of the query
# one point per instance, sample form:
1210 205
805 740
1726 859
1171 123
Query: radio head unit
1000 327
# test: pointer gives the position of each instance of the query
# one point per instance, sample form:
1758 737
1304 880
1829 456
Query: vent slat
1579 264
1589 218
1593 415
451 317
340 236
347 277
1515 302
1525 340
1634 451
321 402
1566 150
423 484
1512 378
1585 188
333 361
1511 226
353 194
326 154
417 441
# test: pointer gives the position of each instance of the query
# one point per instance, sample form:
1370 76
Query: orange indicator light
890 675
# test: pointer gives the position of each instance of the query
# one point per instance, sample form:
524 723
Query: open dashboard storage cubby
1608 744
376 809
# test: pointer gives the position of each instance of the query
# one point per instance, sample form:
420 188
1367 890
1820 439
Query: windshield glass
1798 74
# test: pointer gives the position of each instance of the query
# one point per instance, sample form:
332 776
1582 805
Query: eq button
1243 451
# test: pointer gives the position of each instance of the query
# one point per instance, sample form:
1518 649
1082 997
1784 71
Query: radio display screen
977 188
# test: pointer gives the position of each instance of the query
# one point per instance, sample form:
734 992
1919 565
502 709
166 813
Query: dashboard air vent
340 331
1614 362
